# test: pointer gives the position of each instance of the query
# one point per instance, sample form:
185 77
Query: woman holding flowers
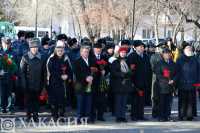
59 75
121 83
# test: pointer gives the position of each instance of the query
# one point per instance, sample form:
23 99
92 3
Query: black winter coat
121 82
188 72
57 86
33 72
143 73
81 70
165 72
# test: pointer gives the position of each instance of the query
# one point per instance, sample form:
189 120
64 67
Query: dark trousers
120 105
71 97
186 103
147 97
32 102
155 100
194 104
137 108
5 87
19 97
58 110
165 108
84 102
98 99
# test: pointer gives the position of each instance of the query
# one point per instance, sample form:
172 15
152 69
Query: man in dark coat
33 75
165 74
140 64
97 94
83 85
20 47
187 78
155 58
45 49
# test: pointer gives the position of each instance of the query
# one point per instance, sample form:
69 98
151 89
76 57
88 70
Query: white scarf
124 66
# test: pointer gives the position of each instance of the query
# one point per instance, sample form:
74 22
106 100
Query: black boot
62 111
54 112
28 117
35 117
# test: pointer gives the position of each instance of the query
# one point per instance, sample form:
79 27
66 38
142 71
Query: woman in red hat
121 84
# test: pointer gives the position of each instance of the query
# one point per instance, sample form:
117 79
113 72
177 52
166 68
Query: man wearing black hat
141 68
155 58
165 74
33 74
45 49
98 95
21 47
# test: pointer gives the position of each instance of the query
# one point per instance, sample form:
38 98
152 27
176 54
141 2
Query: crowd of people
94 77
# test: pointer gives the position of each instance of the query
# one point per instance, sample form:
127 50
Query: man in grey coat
33 77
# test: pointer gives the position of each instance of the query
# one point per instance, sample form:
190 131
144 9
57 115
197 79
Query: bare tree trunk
86 19
76 17
156 22
176 29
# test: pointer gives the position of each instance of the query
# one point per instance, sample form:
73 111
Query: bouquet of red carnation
7 64
166 73
93 70
63 68
102 64
43 97
133 67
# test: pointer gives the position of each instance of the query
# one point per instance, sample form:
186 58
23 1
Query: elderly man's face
97 50
34 50
85 53
140 49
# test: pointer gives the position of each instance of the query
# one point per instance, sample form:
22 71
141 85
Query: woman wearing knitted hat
121 84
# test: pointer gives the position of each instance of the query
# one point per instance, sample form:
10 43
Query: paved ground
151 126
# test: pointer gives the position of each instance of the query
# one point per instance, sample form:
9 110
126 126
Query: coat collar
31 56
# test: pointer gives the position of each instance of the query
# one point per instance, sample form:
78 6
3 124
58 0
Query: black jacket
97 75
121 82
55 69
188 72
142 74
33 72
81 70
164 72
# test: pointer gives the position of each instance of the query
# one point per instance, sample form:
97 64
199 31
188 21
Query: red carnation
64 68
9 61
166 73
43 97
133 66
141 93
14 78
93 69
101 62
